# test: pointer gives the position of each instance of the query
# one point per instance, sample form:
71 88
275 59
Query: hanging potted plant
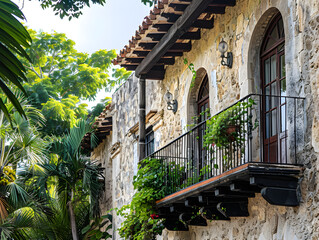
224 127
229 126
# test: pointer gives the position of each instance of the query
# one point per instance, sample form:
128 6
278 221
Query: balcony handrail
225 109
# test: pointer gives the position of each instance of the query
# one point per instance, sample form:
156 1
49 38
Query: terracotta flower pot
230 130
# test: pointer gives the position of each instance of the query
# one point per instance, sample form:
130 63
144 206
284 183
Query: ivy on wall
140 217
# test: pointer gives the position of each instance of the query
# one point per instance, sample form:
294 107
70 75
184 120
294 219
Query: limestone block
315 134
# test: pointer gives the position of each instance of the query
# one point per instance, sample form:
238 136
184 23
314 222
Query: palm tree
20 144
19 139
72 181
13 39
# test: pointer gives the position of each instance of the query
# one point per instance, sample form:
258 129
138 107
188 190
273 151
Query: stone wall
242 27
102 154
119 152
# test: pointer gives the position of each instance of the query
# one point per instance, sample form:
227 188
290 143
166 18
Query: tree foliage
71 9
20 144
60 77
98 108
13 39
71 184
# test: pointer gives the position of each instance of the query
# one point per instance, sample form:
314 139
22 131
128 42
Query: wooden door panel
270 152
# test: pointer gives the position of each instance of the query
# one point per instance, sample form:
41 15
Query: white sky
100 27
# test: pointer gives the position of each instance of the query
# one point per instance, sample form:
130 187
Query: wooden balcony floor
226 195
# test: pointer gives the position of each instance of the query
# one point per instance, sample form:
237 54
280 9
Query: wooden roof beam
163 27
212 8
224 3
178 6
215 10
217 2
155 75
207 24
132 67
144 53
183 47
166 61
171 17
181 26
157 36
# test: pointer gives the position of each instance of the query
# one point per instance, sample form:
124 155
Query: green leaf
86 229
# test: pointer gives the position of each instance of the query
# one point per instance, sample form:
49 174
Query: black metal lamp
171 103
228 59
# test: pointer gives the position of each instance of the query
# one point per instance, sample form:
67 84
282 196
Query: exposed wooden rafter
180 27
167 33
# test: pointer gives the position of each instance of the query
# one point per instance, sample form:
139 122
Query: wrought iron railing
260 128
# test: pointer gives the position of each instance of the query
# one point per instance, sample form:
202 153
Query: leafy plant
228 126
141 220
98 228
217 127
192 69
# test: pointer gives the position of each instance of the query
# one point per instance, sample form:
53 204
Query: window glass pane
267 71
282 66
281 28
274 33
274 122
281 47
206 111
283 118
273 70
270 43
149 142
267 126
201 117
273 92
267 92
283 90
273 37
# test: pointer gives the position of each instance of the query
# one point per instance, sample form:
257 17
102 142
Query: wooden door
273 86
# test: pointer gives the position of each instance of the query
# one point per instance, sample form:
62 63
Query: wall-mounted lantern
228 59
171 103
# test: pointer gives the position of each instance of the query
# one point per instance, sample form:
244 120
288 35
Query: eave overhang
102 128
167 33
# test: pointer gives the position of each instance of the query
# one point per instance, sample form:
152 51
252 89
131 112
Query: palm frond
13 37
17 195
17 225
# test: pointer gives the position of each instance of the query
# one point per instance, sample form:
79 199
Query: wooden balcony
213 180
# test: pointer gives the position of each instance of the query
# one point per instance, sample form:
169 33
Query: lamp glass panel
168 97
222 47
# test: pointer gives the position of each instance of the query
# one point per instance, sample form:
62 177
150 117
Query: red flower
154 216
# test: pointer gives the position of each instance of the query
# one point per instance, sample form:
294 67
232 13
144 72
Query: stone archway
253 66
192 106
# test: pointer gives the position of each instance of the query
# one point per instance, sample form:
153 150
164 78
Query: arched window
273 83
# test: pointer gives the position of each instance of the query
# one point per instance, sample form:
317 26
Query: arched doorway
197 103
203 114
203 99
273 84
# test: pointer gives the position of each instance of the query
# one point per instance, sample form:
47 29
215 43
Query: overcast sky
100 27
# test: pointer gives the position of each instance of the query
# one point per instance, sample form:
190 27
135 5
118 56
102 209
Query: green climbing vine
141 220
192 69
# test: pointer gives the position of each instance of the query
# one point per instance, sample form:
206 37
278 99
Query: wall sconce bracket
172 105
228 58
